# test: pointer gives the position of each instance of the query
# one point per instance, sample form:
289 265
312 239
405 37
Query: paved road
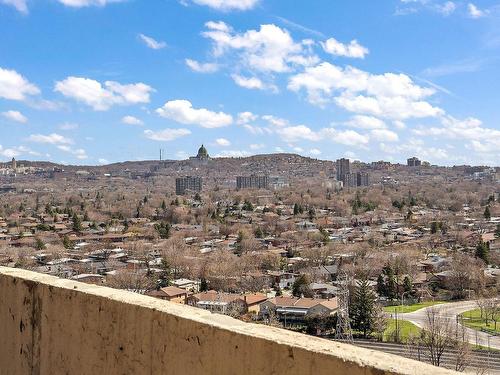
479 359
452 310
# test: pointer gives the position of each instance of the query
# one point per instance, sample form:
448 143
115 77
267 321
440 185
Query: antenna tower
343 330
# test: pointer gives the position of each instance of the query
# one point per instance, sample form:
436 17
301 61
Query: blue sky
98 81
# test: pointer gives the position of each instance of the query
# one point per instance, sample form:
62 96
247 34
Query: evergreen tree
497 231
67 242
381 288
295 209
77 223
408 286
487 213
391 286
39 245
363 308
301 288
163 230
203 285
483 251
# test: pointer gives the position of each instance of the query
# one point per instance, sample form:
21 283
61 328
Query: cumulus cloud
152 43
256 146
227 5
15 116
233 154
78 153
183 112
384 135
14 86
246 117
474 11
388 95
270 49
315 151
345 137
275 121
366 122
222 142
103 96
20 5
198 67
353 49
252 83
166 135
296 133
54 139
131 120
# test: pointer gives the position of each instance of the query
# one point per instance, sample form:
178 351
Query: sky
99 81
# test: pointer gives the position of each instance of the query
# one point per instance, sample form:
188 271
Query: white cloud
152 43
388 95
102 97
78 153
103 161
20 5
256 146
183 112
86 3
15 116
201 67
366 122
474 11
226 5
296 133
131 120
246 117
13 152
384 135
276 121
14 86
269 49
233 154
353 49
54 138
68 126
345 137
257 130
252 83
166 135
222 142
315 152
447 8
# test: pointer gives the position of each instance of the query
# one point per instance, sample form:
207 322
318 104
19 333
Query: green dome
202 152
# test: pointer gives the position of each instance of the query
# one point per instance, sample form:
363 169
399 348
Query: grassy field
411 308
472 319
405 330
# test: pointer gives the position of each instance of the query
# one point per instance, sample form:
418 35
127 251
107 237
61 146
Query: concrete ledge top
364 358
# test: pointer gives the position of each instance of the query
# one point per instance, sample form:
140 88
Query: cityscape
223 187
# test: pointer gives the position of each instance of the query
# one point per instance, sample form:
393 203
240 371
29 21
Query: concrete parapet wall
53 326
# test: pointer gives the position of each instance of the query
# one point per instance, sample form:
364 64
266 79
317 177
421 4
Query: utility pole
343 330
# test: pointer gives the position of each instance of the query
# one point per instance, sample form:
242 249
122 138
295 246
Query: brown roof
252 299
305 303
173 291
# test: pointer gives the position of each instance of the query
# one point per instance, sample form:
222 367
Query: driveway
451 311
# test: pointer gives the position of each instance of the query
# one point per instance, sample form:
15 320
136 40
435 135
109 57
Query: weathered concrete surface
52 326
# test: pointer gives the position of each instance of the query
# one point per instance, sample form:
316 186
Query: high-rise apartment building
188 183
413 162
343 168
252 182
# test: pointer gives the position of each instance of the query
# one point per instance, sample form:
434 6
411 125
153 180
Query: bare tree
436 336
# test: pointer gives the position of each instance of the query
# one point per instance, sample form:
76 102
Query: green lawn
472 319
411 308
405 329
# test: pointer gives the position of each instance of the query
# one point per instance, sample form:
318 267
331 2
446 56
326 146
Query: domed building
202 154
